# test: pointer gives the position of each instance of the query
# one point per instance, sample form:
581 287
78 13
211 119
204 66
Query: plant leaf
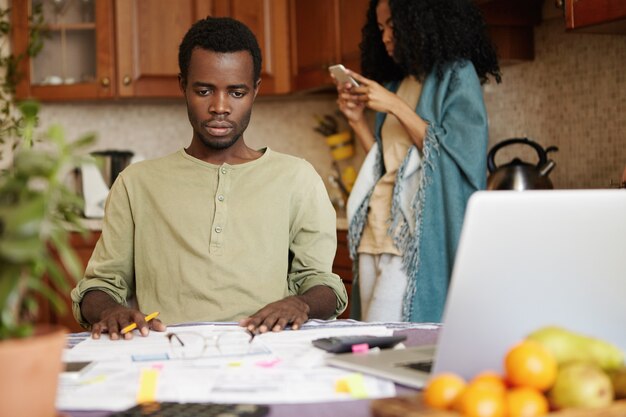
56 275
23 220
68 257
20 250
51 295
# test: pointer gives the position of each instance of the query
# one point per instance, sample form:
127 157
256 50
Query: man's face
219 91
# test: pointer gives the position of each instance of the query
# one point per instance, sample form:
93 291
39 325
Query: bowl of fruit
553 371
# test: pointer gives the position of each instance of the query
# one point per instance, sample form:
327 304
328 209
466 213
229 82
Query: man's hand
277 315
109 317
319 302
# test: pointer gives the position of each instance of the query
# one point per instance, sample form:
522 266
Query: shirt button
218 229
223 170
220 197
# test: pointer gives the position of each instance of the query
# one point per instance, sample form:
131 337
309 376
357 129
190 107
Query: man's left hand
276 316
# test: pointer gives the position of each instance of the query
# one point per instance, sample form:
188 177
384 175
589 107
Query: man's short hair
219 34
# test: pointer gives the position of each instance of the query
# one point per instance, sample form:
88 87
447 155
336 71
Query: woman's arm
353 109
378 98
363 133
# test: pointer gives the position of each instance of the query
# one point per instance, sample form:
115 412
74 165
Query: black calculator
341 344
171 409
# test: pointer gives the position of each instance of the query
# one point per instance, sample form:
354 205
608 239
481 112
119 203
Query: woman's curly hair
428 34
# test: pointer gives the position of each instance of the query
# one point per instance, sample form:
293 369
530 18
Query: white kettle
98 176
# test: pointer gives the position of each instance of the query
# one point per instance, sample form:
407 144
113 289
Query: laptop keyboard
424 366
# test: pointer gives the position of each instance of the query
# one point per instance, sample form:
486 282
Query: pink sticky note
361 348
269 363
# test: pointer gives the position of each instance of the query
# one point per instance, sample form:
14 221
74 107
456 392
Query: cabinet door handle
126 80
106 81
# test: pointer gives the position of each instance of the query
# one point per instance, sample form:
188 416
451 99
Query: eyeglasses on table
193 345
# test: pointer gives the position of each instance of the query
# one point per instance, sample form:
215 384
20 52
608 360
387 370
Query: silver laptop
525 260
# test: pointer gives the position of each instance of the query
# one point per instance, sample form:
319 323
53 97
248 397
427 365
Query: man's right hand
116 318
107 316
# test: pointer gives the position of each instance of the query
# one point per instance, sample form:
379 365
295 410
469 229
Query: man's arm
105 315
319 302
318 293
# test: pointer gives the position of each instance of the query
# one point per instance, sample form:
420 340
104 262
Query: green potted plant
37 212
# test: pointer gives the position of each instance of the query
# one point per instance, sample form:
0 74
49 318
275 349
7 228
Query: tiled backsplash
573 95
156 129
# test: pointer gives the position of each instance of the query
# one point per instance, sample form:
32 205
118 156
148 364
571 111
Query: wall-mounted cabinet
324 32
129 48
511 25
148 39
103 49
77 59
269 20
598 16
147 34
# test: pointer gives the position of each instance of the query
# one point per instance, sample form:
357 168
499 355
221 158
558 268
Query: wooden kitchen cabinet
76 61
511 25
601 16
342 266
147 64
134 46
83 246
269 20
324 32
148 33
129 48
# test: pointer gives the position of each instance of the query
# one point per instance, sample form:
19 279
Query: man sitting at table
217 231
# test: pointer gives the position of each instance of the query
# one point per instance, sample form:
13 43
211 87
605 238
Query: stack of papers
274 368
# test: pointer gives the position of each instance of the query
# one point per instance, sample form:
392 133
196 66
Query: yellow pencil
133 326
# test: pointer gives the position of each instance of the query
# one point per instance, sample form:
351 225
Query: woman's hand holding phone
352 89
342 77
348 98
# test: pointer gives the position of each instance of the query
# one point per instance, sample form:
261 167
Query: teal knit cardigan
429 202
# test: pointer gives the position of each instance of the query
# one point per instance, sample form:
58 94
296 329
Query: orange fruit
442 390
481 400
530 364
491 380
526 402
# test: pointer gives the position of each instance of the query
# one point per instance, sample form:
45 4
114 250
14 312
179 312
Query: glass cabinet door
76 61
69 52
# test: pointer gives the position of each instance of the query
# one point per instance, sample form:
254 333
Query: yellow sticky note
353 384
341 386
147 385
94 380
356 385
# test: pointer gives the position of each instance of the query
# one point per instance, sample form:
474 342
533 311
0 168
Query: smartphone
339 71
76 369
341 344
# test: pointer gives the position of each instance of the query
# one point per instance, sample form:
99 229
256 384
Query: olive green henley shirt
202 242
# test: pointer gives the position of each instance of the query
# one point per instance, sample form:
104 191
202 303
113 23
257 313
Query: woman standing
423 65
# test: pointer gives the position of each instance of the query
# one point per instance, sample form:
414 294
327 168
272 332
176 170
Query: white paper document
216 363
